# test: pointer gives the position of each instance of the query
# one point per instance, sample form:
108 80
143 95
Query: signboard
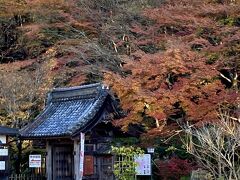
3 139
2 165
4 152
82 141
35 161
143 164
88 165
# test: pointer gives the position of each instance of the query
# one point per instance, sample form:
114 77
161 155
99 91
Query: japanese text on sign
143 164
35 161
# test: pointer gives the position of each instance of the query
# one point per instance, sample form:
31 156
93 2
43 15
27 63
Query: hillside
168 61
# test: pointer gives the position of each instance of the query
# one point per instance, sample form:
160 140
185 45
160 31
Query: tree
22 93
168 87
182 66
217 146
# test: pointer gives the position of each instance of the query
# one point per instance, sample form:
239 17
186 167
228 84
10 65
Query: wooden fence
27 177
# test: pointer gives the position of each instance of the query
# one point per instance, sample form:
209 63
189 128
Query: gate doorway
63 162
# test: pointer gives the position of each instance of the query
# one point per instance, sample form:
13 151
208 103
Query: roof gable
68 110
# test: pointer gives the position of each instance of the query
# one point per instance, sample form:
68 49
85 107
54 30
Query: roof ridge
84 91
86 86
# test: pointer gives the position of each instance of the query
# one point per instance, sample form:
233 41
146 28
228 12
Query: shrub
124 167
174 168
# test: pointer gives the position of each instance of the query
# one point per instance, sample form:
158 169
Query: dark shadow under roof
68 111
8 131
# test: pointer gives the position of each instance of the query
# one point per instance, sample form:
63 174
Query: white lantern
150 150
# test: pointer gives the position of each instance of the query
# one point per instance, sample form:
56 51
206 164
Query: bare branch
216 146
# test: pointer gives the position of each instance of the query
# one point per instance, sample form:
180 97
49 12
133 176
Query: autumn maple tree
185 63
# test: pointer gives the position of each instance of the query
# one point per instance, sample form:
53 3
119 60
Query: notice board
143 164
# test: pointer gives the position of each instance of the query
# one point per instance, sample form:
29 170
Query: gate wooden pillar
49 161
76 159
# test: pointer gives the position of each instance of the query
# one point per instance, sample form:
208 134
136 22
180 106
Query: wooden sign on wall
88 165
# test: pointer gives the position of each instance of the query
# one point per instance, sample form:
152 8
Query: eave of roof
8 131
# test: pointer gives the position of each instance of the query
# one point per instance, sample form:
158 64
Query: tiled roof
68 110
8 131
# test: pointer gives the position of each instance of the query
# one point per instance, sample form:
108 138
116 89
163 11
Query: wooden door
63 166
106 167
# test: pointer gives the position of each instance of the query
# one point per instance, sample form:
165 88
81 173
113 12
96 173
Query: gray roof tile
68 110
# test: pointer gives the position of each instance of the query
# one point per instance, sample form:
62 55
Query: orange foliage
171 78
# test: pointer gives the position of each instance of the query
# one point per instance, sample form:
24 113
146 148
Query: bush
174 168
124 167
